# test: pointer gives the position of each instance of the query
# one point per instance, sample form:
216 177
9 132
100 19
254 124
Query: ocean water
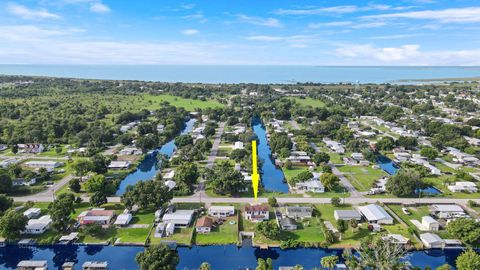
242 74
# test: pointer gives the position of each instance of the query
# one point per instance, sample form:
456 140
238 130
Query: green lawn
152 102
361 177
132 235
315 103
221 235
182 236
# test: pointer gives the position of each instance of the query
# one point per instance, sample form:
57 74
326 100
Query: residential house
238 145
123 219
170 184
32 212
180 218
431 240
98 216
95 265
221 211
30 148
447 211
7 162
334 146
256 213
463 186
164 230
374 213
298 212
347 215
23 182
396 239
430 224
313 185
49 165
287 224
204 225
32 265
38 226
119 165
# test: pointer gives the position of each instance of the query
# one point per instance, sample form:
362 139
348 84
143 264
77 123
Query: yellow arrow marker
255 175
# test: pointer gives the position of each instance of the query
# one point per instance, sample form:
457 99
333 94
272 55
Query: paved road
343 180
216 143
47 195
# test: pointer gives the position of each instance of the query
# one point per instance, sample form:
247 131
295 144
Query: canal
220 257
272 177
148 168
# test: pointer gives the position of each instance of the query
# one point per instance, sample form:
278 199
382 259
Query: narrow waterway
148 168
220 257
272 177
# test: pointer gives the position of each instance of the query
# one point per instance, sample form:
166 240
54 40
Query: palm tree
329 261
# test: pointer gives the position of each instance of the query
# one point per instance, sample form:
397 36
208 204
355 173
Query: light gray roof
374 212
447 208
32 263
430 238
347 214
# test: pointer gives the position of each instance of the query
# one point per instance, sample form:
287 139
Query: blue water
242 74
391 168
148 168
387 165
220 257
272 177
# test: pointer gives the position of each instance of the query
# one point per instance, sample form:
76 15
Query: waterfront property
38 226
221 211
204 225
374 213
98 216
347 215
180 218
256 213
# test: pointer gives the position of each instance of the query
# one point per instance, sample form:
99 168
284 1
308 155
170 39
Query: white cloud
190 32
399 36
196 16
188 6
266 38
451 15
26 13
269 22
388 54
349 24
99 7
344 9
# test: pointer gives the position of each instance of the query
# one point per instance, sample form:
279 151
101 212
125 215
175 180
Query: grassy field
361 177
132 235
226 233
416 214
315 103
182 236
152 102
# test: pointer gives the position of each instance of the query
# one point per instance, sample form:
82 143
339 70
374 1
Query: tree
74 185
329 261
12 223
60 211
81 167
335 201
374 253
268 228
186 173
145 193
58 149
301 177
5 182
15 149
429 152
465 229
280 140
238 154
320 158
468 260
444 267
100 164
183 140
98 198
147 142
385 144
205 266
224 179
272 201
353 224
409 142
157 257
404 183
342 225
5 203
96 183
329 180
264 264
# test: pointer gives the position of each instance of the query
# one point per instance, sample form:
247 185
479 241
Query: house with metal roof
374 213
181 218
431 240
347 215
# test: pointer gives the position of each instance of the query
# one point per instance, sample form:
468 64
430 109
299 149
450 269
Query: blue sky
267 32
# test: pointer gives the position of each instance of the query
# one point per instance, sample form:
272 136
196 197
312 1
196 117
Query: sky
226 32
